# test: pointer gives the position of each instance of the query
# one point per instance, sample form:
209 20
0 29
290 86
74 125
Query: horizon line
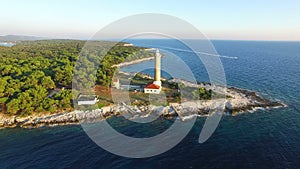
136 38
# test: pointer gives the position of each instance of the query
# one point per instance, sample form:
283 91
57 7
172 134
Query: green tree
2 86
13 106
47 82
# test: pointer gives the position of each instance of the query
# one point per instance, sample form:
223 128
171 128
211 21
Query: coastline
123 64
133 62
242 101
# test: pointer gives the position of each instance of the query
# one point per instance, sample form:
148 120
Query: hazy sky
223 19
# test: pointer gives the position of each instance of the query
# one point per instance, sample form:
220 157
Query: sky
219 19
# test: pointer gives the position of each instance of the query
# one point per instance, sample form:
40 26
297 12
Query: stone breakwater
239 101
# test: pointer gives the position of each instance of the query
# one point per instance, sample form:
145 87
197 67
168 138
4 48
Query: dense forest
36 76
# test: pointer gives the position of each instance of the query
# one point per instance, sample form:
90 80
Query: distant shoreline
133 62
124 64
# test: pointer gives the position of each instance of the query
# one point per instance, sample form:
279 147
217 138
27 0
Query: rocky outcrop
244 100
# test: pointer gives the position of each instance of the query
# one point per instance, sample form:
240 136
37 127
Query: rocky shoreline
240 101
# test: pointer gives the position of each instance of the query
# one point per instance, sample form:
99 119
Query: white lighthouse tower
157 68
155 86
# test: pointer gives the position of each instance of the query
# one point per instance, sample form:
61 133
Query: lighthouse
157 70
155 86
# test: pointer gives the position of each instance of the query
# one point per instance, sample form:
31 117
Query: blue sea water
6 44
264 139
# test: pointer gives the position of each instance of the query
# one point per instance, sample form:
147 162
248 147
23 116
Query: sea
263 139
6 44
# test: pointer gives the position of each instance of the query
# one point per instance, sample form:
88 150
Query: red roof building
152 88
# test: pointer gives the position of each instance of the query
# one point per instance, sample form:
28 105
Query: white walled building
87 100
152 88
116 83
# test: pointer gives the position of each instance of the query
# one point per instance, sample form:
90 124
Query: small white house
152 88
87 100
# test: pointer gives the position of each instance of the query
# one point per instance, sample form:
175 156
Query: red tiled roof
152 86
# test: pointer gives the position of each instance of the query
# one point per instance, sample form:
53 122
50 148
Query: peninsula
36 79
